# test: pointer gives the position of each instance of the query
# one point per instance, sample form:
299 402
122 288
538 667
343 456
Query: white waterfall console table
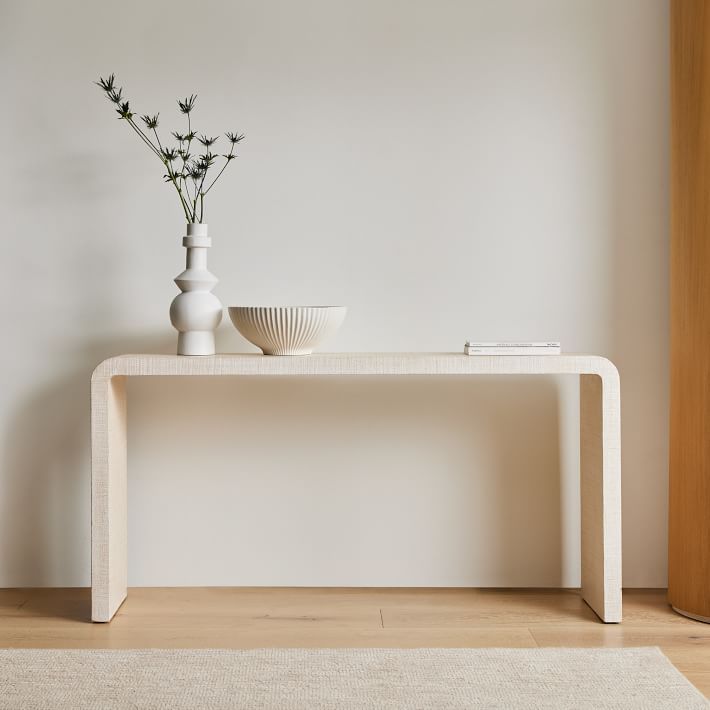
600 447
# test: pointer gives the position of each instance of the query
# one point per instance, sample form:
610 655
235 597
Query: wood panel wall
689 495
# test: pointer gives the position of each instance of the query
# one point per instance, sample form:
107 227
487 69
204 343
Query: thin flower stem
189 133
173 178
165 163
155 131
185 206
145 139
182 199
198 190
149 143
194 201
219 174
172 175
182 202
194 191
188 199
202 194
182 172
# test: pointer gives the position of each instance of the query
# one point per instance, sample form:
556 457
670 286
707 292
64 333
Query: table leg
108 496
600 468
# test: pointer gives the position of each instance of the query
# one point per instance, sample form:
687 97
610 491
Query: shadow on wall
345 482
45 459
45 512
638 307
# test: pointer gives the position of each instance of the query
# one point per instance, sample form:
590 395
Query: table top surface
345 364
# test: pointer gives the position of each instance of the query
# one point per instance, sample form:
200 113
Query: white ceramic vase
196 312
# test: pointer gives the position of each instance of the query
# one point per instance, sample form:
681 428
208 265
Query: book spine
543 350
540 344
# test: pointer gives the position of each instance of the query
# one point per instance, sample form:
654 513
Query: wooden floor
219 617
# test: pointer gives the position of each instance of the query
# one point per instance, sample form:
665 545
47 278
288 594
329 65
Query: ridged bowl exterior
288 330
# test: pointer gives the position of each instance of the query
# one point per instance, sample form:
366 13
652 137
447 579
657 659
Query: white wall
449 170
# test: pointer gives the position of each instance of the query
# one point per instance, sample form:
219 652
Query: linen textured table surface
345 679
600 446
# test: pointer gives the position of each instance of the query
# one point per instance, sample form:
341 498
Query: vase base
196 342
286 353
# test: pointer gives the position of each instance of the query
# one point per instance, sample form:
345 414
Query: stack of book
541 348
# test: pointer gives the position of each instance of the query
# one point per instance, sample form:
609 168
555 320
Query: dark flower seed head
170 154
188 104
229 157
124 111
234 138
207 160
115 95
106 84
190 136
178 137
151 122
207 142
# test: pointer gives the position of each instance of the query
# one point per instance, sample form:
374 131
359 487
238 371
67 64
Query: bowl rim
285 307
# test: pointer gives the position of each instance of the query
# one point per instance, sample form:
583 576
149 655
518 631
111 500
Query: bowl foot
286 353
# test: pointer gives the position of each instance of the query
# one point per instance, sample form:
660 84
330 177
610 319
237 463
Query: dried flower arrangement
187 173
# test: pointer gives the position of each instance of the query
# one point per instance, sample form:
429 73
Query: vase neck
196 236
196 229
197 258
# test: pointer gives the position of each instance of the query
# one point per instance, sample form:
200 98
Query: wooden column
689 494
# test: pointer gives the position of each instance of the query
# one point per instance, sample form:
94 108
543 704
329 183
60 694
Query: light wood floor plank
305 617
12 601
488 607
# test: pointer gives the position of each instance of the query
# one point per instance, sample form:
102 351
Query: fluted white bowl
287 330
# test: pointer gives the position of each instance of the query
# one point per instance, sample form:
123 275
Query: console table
600 447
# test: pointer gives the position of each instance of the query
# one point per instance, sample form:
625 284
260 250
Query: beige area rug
343 679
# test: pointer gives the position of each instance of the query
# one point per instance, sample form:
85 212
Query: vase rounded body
196 312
